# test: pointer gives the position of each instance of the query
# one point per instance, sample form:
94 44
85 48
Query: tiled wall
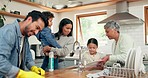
137 32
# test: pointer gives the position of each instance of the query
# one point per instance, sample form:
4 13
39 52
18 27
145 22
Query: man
121 45
13 58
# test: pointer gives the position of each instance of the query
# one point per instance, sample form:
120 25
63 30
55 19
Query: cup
17 12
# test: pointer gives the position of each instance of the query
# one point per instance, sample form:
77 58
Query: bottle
51 61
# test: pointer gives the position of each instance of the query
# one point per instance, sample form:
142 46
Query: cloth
47 38
121 48
10 39
91 58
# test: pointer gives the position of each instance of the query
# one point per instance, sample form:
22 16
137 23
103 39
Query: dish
127 58
138 60
132 59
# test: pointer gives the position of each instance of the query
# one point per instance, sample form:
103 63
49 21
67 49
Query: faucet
77 46
76 43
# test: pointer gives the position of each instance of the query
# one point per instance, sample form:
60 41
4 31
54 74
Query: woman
64 39
121 45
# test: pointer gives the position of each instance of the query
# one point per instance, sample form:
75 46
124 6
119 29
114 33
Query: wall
136 31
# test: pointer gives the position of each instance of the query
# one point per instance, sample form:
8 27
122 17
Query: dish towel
104 72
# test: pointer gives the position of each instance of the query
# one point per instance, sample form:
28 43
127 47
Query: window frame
78 25
146 23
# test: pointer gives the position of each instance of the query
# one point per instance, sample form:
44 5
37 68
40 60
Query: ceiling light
59 6
74 3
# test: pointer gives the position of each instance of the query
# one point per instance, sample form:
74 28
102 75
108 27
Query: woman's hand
103 61
46 49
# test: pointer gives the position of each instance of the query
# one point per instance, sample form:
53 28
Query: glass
97 30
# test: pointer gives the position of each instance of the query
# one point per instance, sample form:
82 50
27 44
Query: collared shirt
121 48
10 40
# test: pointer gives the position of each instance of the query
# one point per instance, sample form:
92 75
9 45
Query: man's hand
38 70
46 49
29 74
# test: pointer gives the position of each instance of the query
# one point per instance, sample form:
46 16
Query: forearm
61 51
30 64
8 69
119 57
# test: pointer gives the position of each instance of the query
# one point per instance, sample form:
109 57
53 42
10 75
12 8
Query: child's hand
100 63
46 49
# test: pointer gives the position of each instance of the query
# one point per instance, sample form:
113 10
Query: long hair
63 22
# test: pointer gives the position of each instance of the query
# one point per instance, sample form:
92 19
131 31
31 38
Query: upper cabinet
36 5
85 6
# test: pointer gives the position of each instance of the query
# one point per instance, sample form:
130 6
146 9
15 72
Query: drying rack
121 72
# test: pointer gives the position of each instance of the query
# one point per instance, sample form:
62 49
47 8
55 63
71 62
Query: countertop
71 73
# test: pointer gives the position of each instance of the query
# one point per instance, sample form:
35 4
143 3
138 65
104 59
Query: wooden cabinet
36 5
85 6
11 15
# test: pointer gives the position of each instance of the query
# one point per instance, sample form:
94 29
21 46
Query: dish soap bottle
51 61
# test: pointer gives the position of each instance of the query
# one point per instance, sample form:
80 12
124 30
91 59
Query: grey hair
113 25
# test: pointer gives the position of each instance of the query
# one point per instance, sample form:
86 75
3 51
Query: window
88 27
146 24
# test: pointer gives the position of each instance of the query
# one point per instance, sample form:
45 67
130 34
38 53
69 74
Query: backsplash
137 32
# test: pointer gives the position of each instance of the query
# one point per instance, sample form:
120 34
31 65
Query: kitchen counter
71 73
66 73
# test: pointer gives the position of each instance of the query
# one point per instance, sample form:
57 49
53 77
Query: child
48 39
91 55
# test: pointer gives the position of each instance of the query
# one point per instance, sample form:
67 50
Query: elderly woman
121 45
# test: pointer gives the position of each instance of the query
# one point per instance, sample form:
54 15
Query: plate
132 59
127 58
138 60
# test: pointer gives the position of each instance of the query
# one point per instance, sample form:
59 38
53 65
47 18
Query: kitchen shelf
36 5
12 15
85 6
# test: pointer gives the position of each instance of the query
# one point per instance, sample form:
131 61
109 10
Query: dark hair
48 14
36 15
92 40
63 22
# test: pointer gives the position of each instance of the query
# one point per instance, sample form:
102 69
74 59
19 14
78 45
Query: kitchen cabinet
86 6
36 5
11 15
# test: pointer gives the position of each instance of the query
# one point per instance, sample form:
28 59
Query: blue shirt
47 38
10 40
